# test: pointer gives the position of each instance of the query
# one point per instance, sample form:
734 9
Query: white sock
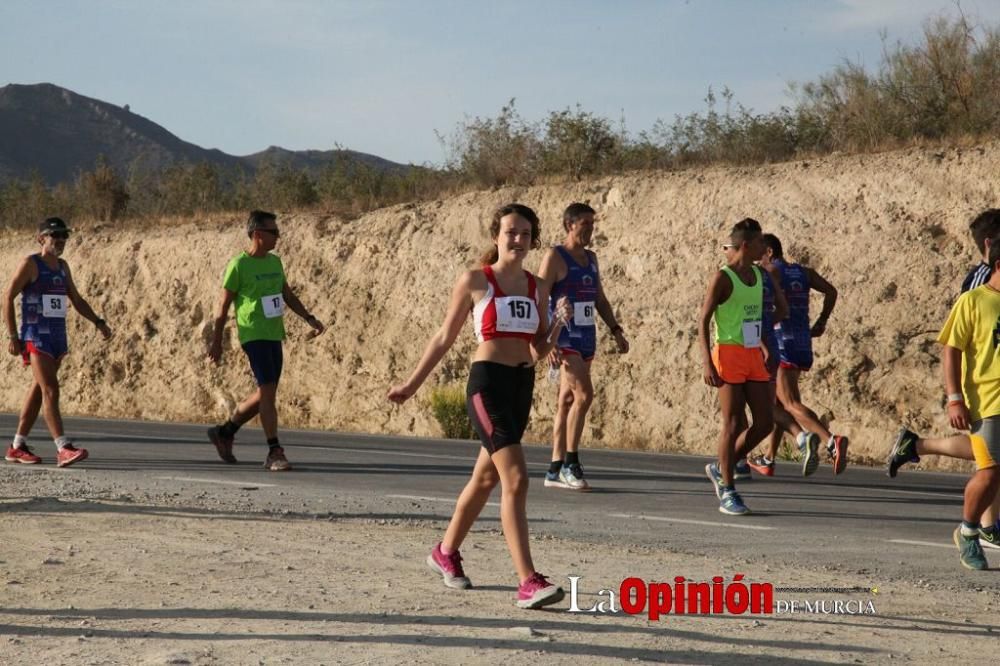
19 441
62 441
800 439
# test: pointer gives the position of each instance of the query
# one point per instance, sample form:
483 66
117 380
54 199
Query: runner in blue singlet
47 291
795 341
573 271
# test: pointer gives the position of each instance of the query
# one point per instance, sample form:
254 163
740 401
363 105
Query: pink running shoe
537 592
450 568
69 454
21 455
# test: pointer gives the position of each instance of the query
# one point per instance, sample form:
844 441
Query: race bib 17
274 306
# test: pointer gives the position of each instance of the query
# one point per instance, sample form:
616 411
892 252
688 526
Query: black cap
53 225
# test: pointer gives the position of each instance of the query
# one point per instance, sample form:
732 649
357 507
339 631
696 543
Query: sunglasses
273 232
59 235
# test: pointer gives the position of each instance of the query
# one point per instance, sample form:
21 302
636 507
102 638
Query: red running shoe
838 451
21 455
761 466
69 454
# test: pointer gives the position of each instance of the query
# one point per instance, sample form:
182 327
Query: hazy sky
382 76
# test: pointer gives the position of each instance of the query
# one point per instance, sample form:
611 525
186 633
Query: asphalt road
861 523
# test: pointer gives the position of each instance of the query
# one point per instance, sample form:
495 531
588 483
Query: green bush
448 407
102 192
578 144
493 152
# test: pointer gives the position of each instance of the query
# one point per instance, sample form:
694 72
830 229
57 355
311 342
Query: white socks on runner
62 441
19 441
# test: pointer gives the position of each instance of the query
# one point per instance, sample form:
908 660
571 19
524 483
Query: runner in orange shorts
736 365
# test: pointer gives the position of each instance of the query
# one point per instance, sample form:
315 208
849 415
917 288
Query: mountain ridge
58 133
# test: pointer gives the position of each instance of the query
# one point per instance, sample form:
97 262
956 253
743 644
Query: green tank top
737 320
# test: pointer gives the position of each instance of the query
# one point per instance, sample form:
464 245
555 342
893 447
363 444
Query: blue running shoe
741 472
552 480
732 504
713 474
809 447
970 552
572 478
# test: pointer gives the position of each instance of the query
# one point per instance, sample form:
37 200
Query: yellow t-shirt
974 327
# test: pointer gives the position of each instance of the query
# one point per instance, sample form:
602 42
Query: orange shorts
739 365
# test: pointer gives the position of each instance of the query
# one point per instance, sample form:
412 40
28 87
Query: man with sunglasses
255 281
47 290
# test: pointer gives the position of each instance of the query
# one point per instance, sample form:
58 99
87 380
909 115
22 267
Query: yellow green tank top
737 320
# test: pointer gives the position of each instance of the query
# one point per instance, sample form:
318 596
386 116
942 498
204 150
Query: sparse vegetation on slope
944 89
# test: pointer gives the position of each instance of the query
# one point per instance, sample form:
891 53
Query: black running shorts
266 360
498 398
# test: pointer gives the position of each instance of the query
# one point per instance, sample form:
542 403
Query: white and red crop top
500 316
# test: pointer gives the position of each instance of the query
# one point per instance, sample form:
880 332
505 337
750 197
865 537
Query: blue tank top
794 329
44 304
580 287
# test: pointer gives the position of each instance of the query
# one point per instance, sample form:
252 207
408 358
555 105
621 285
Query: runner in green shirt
255 281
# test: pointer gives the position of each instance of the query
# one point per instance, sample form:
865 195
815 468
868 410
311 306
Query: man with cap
47 290
255 281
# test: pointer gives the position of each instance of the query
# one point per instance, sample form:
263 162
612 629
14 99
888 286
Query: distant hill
316 160
58 133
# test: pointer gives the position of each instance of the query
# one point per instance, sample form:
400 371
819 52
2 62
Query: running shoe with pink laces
450 568
69 454
537 591
22 454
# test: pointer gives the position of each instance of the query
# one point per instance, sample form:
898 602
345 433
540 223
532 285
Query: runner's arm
780 302
718 291
221 314
552 269
608 315
546 338
458 309
829 292
22 278
951 363
82 306
295 305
